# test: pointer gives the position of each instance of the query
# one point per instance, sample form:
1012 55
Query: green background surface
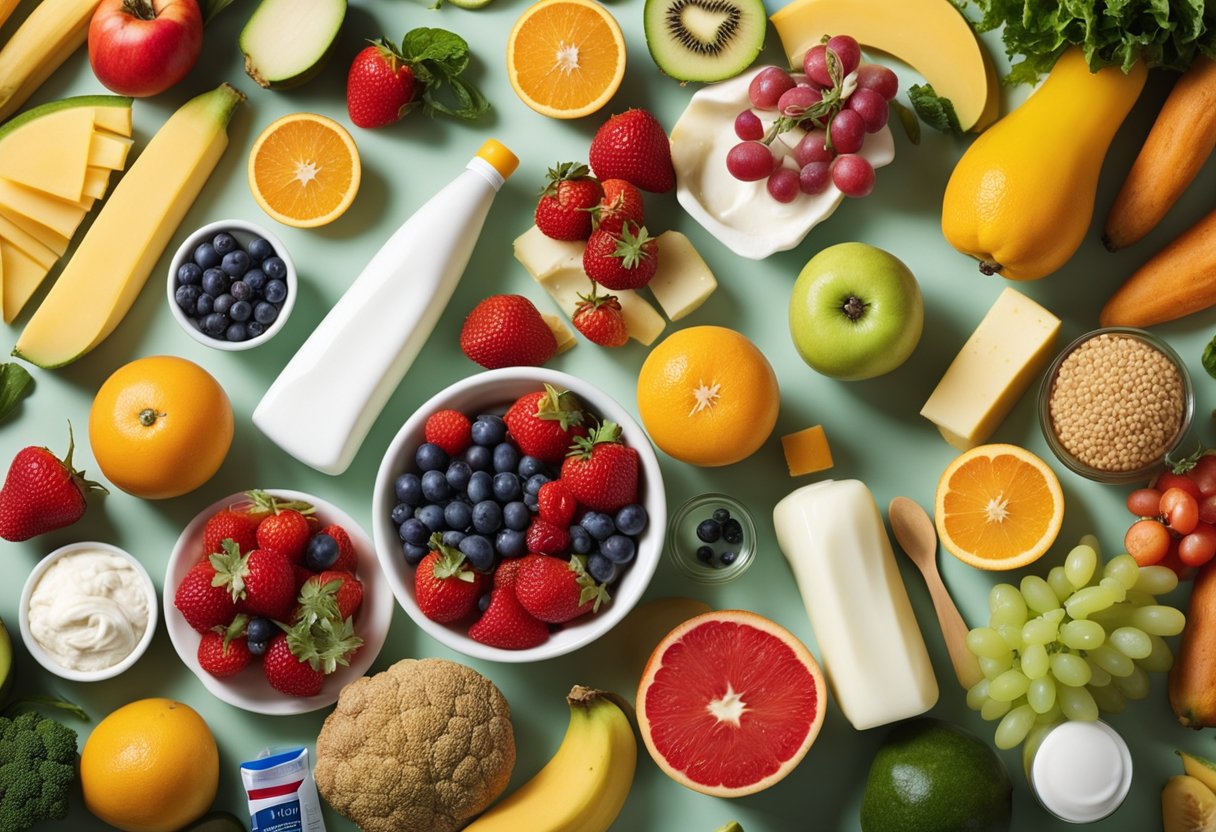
873 426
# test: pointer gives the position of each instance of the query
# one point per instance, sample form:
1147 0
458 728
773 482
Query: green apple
856 312
6 663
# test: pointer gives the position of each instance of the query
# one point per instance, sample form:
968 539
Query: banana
46 38
583 787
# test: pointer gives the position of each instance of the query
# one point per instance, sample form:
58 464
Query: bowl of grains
1114 403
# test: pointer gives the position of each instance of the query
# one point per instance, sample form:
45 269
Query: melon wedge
107 151
50 154
13 235
55 242
112 117
59 215
22 277
96 181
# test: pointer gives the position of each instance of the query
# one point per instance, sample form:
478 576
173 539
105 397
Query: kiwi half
704 40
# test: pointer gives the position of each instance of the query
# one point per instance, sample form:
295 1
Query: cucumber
216 822
286 42
6 664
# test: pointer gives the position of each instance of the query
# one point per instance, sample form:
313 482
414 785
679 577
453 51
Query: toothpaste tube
282 794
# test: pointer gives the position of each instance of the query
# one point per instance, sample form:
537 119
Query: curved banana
583 787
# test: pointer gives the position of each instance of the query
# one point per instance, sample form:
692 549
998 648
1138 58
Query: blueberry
721 514
489 430
259 249
408 489
206 256
529 465
321 552
240 290
511 543
215 324
236 331
431 517
506 457
214 282
602 569
506 487
224 243
479 551
487 517
431 457
255 329
260 629
709 531
458 515
240 310
265 313
481 486
189 274
235 263
458 475
414 532
453 537
728 558
732 531
187 297
276 291
413 554
435 486
223 304
534 483
256 648
531 502
580 540
598 525
619 549
705 554
256 280
480 458
275 268
483 603
515 515
400 513
203 306
631 519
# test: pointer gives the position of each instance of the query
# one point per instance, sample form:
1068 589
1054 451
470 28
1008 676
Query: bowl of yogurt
88 611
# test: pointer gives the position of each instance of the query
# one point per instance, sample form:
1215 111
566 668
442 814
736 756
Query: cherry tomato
1147 541
1144 502
1207 510
1198 547
1170 480
1204 474
1180 510
1174 562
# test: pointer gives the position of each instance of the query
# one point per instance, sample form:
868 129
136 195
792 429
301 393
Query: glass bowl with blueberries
232 285
712 538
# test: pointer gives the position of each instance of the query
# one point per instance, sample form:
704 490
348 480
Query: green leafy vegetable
437 58
1209 358
935 111
1162 33
15 383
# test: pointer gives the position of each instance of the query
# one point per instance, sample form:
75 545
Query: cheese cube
683 282
542 255
1009 348
565 338
642 321
807 451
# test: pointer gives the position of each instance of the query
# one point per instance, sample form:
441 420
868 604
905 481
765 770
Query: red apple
143 47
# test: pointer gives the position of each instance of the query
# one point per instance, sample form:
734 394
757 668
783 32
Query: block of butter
1007 351
683 281
561 333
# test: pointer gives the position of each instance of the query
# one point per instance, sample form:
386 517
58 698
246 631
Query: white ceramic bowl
249 689
42 657
244 232
494 391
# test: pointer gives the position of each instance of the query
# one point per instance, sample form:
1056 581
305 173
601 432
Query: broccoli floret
37 766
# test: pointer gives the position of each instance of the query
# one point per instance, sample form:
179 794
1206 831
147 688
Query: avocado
216 822
6 664
931 776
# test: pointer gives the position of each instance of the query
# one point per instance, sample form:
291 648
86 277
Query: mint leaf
15 383
440 46
935 111
437 57
1209 358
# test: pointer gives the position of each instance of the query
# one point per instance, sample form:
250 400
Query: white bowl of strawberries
497 539
274 600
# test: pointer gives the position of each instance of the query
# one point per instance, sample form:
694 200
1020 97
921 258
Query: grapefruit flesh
730 703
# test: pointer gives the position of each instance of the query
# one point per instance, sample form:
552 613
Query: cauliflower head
421 747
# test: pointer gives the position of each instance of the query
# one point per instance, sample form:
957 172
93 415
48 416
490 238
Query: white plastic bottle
359 353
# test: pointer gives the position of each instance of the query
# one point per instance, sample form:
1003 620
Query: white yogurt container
1079 771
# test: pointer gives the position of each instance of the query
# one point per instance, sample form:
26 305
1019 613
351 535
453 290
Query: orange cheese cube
807 451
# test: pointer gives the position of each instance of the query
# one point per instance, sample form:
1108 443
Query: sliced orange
565 58
998 507
304 170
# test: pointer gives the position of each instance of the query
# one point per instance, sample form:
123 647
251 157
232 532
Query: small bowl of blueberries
232 285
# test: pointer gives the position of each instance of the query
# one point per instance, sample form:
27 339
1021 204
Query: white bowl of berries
497 540
274 599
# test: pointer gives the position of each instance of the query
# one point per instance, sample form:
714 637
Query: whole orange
707 396
160 427
150 766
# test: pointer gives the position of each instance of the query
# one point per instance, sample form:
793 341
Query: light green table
874 429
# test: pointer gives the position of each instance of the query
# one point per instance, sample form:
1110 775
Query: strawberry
226 524
446 588
202 601
286 532
600 320
507 625
347 560
566 203
621 261
507 331
555 504
555 590
544 423
622 202
297 662
600 471
380 86
262 582
302 575
223 650
506 572
632 146
42 493
546 538
288 674
450 430
346 590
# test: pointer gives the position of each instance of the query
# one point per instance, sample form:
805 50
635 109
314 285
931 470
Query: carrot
1178 280
1180 142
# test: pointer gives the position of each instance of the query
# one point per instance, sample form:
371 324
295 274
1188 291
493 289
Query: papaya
1192 685
1021 198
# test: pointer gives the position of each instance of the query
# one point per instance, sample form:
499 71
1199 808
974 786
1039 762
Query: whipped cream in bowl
88 611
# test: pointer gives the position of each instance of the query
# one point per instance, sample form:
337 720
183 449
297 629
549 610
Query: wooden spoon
916 536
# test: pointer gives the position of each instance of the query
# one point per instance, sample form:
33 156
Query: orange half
565 58
998 507
304 170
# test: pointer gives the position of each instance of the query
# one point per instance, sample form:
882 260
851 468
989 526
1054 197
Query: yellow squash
1022 197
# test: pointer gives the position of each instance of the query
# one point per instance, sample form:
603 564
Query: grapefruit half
729 703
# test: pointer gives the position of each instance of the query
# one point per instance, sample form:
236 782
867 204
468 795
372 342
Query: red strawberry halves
566 203
507 331
544 423
601 472
42 493
633 146
621 261
380 86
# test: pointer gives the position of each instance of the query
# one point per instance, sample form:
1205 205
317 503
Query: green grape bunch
1081 641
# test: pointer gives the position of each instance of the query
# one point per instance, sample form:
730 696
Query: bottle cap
1082 771
499 157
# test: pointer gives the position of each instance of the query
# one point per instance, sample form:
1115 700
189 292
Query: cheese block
108 151
22 277
682 282
1007 351
807 451
59 215
542 255
561 332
